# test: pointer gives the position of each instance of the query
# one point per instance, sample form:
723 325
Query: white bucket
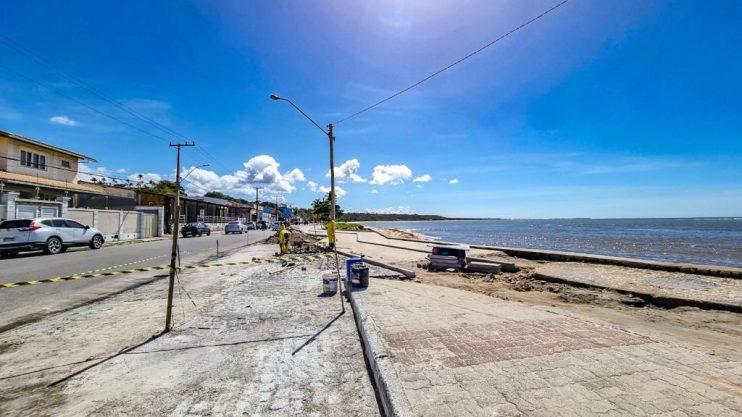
329 282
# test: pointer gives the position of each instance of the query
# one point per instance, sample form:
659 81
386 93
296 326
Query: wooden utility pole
256 206
332 171
176 224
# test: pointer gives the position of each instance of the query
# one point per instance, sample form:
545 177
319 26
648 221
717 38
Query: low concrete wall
114 224
81 215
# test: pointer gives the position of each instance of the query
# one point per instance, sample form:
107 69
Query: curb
657 300
406 272
391 393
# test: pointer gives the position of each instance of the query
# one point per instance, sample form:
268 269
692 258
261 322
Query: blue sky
600 109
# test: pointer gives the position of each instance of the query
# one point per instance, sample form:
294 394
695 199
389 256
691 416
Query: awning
21 179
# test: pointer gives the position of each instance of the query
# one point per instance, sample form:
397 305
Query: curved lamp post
331 139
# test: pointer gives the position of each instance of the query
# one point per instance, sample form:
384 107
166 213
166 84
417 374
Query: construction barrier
293 258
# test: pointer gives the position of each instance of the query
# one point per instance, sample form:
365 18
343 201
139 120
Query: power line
89 107
447 67
92 174
20 48
49 65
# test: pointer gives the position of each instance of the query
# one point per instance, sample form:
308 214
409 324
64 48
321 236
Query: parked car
52 235
195 229
235 227
275 226
251 226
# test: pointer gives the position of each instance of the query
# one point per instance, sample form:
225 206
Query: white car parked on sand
52 235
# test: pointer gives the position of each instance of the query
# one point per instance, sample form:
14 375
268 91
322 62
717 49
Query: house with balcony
36 174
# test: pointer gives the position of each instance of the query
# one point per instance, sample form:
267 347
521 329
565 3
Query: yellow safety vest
331 231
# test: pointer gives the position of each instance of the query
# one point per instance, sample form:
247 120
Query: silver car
235 227
52 235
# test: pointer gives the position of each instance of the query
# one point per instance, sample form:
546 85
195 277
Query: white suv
52 235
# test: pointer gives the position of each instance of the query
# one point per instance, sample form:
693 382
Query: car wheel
200 234
208 233
53 246
97 242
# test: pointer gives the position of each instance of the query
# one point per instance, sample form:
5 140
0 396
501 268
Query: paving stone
536 362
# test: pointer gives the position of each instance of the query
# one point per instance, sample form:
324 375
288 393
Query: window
74 225
33 160
15 224
66 164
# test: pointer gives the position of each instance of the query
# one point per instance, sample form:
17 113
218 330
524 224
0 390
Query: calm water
704 241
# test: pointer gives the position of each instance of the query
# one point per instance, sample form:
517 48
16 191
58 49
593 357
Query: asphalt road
24 303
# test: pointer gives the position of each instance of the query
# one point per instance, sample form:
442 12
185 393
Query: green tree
166 187
217 194
321 208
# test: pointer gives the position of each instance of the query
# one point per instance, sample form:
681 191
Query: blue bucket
349 265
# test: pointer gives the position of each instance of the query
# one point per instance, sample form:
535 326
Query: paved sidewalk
457 353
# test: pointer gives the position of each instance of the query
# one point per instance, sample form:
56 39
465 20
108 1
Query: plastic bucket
349 265
359 276
329 283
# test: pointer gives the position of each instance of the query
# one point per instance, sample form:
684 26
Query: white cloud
62 120
348 171
390 210
392 174
338 191
374 191
423 178
87 174
312 186
454 181
260 170
295 175
146 178
419 186
122 171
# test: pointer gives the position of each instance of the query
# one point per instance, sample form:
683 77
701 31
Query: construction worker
331 234
281 228
286 239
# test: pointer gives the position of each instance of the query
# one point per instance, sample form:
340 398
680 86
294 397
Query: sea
712 241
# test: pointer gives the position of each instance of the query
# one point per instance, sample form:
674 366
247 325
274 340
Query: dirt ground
248 340
396 233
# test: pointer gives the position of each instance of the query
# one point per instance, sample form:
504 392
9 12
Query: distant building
39 171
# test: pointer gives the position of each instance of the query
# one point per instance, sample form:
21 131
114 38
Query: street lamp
331 139
191 171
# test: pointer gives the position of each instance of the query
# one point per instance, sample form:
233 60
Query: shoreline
675 242
567 256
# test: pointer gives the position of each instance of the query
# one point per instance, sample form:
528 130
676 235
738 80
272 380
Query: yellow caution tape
295 258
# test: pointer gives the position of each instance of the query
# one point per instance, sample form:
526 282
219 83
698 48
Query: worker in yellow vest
284 239
281 228
331 233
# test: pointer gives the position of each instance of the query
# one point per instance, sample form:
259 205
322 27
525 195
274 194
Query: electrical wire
449 66
45 63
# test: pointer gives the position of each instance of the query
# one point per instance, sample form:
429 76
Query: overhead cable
453 64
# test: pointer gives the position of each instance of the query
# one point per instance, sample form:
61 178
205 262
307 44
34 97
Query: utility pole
277 208
256 205
176 224
332 171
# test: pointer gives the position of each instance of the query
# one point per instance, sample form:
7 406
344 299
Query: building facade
39 171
